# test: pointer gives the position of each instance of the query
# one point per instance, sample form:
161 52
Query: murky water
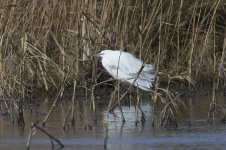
87 135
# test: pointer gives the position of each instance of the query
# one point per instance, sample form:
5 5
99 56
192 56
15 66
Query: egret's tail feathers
147 76
148 68
141 83
144 84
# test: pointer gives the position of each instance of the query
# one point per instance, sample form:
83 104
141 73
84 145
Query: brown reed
46 44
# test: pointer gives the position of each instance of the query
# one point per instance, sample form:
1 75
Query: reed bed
46 45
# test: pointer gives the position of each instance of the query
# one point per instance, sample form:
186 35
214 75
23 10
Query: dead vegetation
45 44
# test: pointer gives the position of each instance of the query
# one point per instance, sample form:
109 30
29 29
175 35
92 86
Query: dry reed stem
85 26
66 117
179 36
222 60
29 138
53 105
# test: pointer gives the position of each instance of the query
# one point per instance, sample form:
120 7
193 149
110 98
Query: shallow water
199 135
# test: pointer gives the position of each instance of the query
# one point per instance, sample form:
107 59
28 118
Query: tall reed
44 44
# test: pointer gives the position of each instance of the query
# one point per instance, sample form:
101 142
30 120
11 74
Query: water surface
88 135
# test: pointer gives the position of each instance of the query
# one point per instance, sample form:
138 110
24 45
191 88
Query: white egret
126 67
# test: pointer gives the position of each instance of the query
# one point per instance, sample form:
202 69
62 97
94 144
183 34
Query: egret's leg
137 106
119 102
130 97
111 100
93 106
112 111
153 113
142 115
142 112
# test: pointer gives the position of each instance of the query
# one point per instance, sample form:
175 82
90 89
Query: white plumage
125 67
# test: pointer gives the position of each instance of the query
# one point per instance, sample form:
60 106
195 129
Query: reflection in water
199 135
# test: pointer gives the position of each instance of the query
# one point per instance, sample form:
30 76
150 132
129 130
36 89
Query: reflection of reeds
44 44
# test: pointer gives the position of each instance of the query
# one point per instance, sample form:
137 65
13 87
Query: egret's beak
97 55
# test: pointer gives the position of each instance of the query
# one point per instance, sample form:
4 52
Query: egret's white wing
124 66
131 65
121 64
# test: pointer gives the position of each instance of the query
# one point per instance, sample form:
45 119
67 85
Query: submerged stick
52 138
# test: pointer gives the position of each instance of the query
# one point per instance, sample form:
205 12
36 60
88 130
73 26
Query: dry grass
45 44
